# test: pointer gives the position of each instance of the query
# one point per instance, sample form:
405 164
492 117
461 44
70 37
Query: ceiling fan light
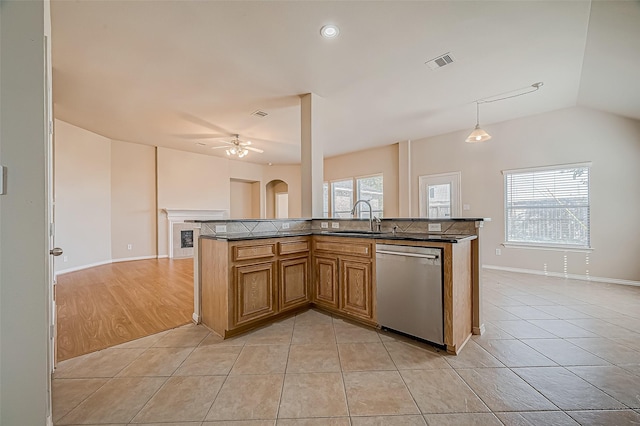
228 152
478 135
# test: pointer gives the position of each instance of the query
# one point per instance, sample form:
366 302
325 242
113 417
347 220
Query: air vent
259 113
440 61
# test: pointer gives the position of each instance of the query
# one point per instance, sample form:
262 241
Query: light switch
466 207
335 225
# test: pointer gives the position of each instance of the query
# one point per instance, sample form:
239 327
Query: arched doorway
277 199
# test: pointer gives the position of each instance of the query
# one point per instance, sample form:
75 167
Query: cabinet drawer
296 246
253 251
343 247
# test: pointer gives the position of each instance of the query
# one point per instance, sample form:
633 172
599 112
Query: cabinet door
357 288
294 282
254 292
325 288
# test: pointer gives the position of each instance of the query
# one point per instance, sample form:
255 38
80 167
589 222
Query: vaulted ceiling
180 74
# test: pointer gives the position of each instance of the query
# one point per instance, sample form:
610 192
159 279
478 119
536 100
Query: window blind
548 206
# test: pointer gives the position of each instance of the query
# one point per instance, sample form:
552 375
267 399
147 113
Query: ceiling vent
440 61
259 113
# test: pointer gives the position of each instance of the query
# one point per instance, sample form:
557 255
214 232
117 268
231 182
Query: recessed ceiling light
329 31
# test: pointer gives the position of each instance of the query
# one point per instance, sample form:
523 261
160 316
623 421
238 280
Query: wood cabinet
343 276
325 283
357 288
253 292
245 283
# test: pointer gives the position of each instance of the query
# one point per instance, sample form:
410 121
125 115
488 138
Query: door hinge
52 331
50 127
52 229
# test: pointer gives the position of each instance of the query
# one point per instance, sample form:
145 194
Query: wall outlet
221 228
435 227
498 252
65 258
285 225
129 246
324 225
466 207
335 225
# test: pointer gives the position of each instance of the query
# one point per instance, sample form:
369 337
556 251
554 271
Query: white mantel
179 216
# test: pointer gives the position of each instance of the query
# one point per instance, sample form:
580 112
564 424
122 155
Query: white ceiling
171 73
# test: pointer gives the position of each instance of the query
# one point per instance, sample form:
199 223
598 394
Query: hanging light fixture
478 135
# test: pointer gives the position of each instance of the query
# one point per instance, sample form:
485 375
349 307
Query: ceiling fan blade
250 148
219 147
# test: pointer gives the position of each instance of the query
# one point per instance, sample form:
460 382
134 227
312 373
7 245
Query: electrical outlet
221 229
466 207
435 227
285 225
498 252
129 246
335 225
324 225
65 258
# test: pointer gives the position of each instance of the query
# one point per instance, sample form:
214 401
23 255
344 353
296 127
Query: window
341 199
325 199
548 206
370 189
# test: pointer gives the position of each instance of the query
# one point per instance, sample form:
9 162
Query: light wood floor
111 304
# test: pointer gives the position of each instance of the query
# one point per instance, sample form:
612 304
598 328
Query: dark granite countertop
400 236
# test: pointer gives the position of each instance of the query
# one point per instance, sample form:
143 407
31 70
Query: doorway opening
277 197
440 195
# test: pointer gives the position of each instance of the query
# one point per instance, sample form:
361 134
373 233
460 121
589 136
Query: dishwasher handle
398 253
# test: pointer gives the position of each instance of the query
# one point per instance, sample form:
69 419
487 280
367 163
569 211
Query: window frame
546 245
354 180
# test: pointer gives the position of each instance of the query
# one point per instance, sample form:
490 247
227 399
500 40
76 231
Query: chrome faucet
353 210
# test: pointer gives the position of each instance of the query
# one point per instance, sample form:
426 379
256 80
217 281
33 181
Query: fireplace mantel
176 223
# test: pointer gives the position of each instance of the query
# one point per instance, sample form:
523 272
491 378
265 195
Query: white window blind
548 206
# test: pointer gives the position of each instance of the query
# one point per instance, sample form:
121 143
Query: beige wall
189 181
133 200
570 135
245 199
83 196
369 162
291 176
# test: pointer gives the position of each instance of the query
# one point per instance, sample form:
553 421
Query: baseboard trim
129 259
80 268
196 318
163 256
561 275
106 262
478 331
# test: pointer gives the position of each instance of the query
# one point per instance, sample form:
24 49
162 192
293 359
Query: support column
312 155
404 179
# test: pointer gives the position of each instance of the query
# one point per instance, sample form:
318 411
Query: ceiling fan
238 148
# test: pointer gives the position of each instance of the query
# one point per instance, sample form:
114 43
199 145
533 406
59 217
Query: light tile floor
556 352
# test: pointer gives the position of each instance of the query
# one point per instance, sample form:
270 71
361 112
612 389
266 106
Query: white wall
24 259
570 135
83 196
133 200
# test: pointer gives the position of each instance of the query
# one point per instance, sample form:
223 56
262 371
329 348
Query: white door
282 205
440 195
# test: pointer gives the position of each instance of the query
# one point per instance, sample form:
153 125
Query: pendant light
478 135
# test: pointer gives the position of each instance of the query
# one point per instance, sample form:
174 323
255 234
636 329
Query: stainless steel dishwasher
409 290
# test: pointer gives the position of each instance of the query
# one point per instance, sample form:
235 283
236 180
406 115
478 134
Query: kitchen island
250 277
